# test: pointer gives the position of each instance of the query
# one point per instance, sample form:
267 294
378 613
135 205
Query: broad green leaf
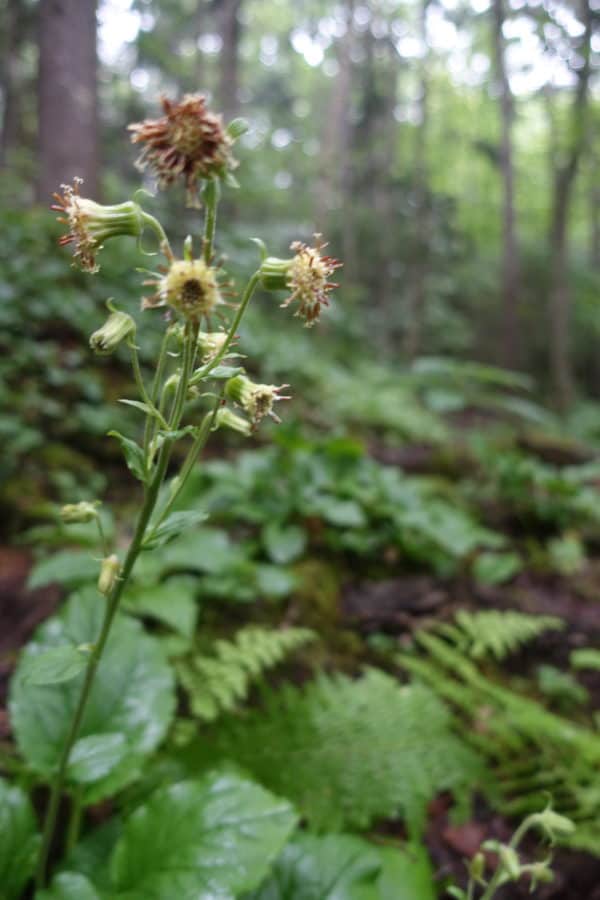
18 841
495 568
274 581
172 602
332 867
90 856
134 455
94 757
173 526
343 513
201 839
133 693
70 886
284 544
54 666
406 874
70 568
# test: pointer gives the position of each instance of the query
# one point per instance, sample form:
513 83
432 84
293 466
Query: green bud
477 867
553 823
225 418
510 861
109 573
84 511
118 326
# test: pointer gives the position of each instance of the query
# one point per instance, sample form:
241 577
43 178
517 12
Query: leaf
146 409
322 868
18 841
343 513
274 581
173 602
219 373
406 874
173 526
70 886
94 757
496 568
54 666
134 455
284 544
70 568
133 693
206 839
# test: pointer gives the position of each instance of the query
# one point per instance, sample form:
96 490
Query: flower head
90 224
226 418
188 142
81 512
306 275
255 399
189 286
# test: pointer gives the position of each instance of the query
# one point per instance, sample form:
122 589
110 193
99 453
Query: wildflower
189 286
226 418
117 327
255 399
83 511
210 344
90 223
188 142
306 275
109 574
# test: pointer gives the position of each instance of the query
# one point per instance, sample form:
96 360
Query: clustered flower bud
81 512
255 399
189 286
226 418
90 223
306 275
188 142
109 574
118 326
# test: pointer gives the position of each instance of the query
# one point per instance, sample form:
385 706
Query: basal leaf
54 666
18 841
94 757
70 886
284 543
133 693
206 839
172 602
69 567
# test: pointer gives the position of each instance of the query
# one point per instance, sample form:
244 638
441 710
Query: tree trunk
228 26
564 179
67 95
417 288
14 29
510 251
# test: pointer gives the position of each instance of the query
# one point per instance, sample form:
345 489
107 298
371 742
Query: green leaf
406 874
70 886
54 666
145 408
495 568
343 513
70 568
284 544
173 526
94 757
133 693
173 602
206 839
18 841
322 868
275 582
134 455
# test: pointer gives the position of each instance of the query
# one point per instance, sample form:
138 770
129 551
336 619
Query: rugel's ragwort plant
196 360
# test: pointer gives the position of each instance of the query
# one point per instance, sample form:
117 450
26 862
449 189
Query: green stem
103 537
155 225
112 605
211 200
75 819
149 428
139 380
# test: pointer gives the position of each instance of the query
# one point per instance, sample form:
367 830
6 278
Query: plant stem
211 199
160 232
75 819
112 605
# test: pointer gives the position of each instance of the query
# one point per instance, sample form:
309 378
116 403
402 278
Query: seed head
90 224
189 286
188 143
255 399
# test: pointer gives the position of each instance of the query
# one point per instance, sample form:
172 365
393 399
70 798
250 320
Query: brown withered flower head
308 277
189 143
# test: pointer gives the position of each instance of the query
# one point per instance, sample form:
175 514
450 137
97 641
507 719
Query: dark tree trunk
228 26
564 178
510 250
14 27
67 95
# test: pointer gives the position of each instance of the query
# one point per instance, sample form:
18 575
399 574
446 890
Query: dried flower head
255 399
90 223
307 275
188 142
189 286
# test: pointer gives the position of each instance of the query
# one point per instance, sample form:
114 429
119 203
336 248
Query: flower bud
91 223
255 399
510 861
225 418
81 512
117 327
477 867
552 823
109 574
210 343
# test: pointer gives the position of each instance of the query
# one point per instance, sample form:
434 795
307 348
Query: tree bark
15 25
510 251
67 95
565 172
228 26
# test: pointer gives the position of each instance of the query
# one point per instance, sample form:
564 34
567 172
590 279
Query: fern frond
348 751
496 632
220 680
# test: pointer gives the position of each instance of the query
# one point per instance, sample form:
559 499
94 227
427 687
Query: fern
218 681
495 632
532 751
348 751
